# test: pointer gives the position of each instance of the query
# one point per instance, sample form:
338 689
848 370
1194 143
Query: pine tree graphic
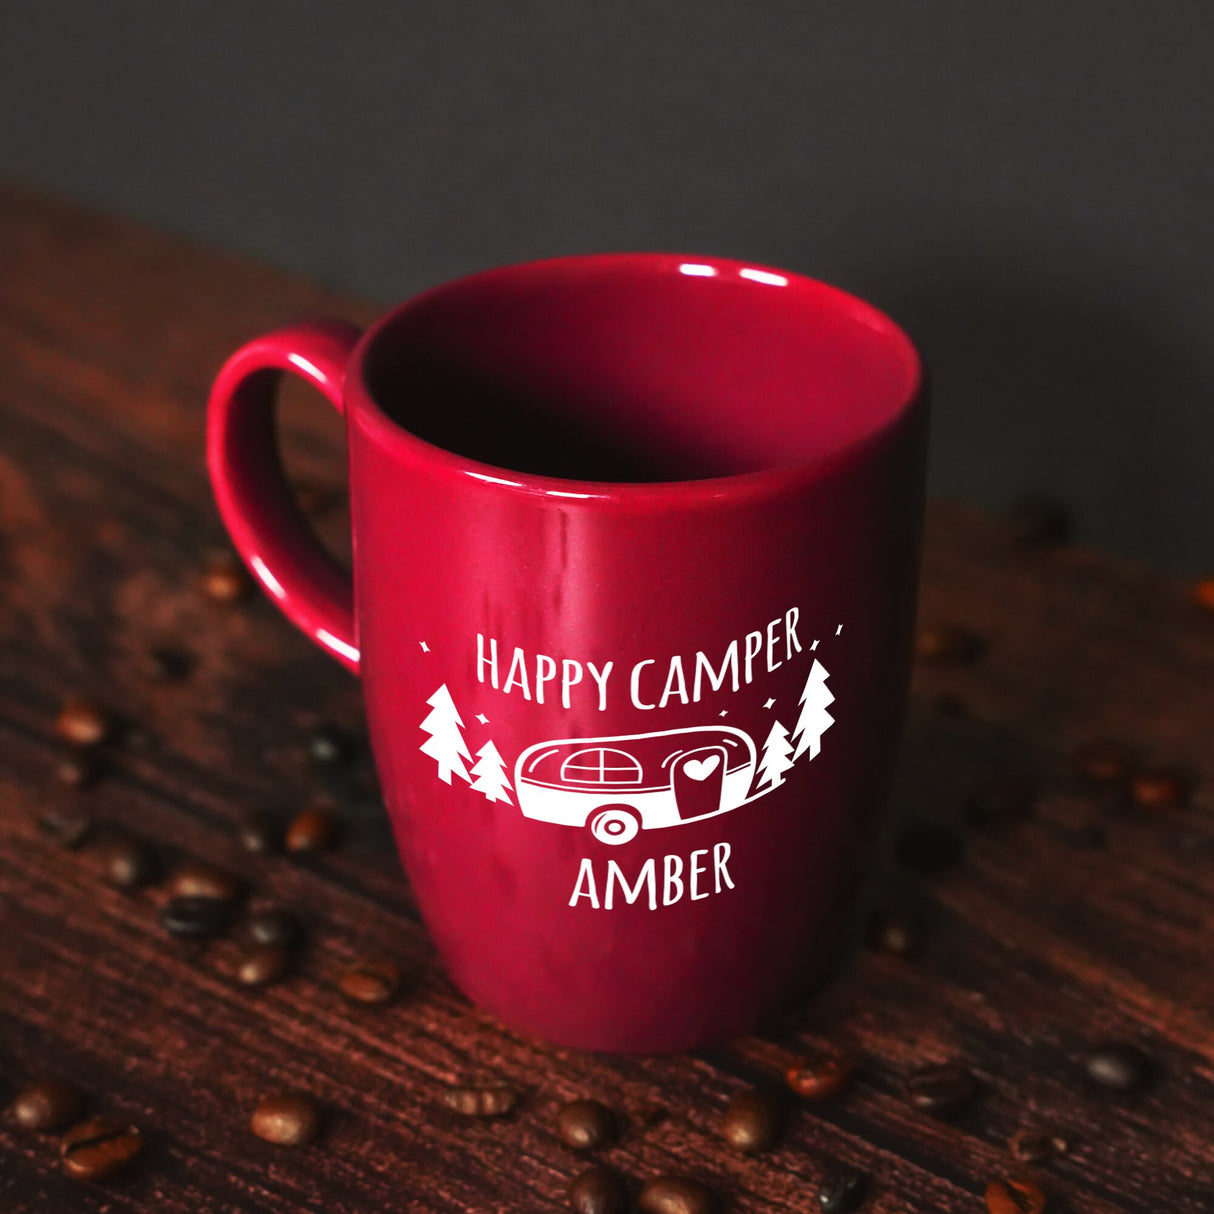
445 745
490 773
814 720
777 757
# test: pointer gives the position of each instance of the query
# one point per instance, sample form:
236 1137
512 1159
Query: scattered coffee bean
67 825
261 964
196 880
291 1119
947 643
82 723
312 830
1036 1146
128 863
225 579
1203 593
585 1125
329 745
598 1190
194 918
259 833
1158 789
1118 1065
494 1101
842 1191
927 847
999 800
895 929
375 980
1014 1197
820 1078
1104 762
1037 520
941 1089
77 769
100 1147
164 664
676 1195
276 925
49 1104
751 1121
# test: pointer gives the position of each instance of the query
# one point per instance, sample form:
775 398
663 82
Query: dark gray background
1028 187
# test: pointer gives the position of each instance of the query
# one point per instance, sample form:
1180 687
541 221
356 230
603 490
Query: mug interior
640 368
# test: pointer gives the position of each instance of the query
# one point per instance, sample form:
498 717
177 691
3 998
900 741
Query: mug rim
400 440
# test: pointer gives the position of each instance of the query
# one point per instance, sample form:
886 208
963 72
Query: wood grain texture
1042 941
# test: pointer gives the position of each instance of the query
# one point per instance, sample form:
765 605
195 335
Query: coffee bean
1014 1197
98 1148
585 1125
291 1119
1203 593
494 1101
821 1077
999 800
128 863
946 643
194 918
842 1191
1036 1146
77 769
927 847
375 980
1158 789
82 723
316 497
225 579
1103 762
1035 520
49 1104
328 745
676 1195
942 1089
312 830
197 880
164 664
598 1190
751 1121
276 925
1118 1065
67 825
895 929
261 964
259 833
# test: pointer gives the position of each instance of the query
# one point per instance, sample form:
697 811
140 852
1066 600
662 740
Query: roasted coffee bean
751 1121
328 745
942 1089
77 769
1036 1145
947 643
49 1104
927 847
999 800
374 980
1014 1197
275 925
1037 520
312 830
259 833
495 1101
128 863
895 929
586 1125
194 918
67 825
821 1077
82 723
1158 789
1104 762
164 664
99 1147
598 1190
261 964
1203 593
195 880
842 1191
1118 1065
225 579
291 1119
676 1195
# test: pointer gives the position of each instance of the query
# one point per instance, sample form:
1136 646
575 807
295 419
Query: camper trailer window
601 765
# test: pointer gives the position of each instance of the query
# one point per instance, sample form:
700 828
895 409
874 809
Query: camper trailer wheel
615 824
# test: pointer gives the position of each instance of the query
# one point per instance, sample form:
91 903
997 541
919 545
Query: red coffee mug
635 557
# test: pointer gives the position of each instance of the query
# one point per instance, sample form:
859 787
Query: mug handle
311 589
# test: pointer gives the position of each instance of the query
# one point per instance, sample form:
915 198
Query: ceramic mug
635 560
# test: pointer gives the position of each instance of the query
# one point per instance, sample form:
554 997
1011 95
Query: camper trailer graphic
617 786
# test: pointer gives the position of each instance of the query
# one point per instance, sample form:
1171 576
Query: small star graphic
484 720
838 630
425 647
769 703
814 645
724 712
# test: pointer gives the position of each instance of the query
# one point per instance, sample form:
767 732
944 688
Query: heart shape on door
701 769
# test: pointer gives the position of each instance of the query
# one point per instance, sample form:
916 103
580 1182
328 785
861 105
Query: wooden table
1086 921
